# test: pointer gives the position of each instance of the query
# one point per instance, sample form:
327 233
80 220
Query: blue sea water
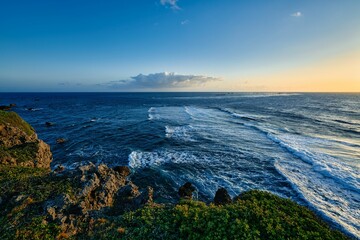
301 146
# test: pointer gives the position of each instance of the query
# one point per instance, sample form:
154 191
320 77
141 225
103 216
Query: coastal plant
254 215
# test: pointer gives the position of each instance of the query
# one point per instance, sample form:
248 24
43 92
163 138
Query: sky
180 45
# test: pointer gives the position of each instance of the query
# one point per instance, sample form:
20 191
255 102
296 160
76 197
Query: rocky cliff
19 144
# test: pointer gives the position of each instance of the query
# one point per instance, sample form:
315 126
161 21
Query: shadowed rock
222 197
49 124
186 191
5 108
122 170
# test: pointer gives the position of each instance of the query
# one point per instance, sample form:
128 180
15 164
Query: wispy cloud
170 3
297 14
164 80
185 22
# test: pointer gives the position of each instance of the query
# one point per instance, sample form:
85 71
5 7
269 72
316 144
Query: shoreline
99 191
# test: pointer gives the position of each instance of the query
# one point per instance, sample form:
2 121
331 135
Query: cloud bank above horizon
162 80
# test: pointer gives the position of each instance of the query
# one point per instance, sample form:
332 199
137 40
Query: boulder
222 197
49 124
59 169
186 191
122 170
60 140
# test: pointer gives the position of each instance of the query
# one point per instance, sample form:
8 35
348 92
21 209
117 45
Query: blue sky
169 45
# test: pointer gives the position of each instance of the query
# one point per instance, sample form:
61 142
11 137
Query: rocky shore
99 202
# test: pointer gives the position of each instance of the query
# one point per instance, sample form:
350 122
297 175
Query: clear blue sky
103 45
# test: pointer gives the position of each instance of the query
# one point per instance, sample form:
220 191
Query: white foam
139 159
166 113
179 132
152 115
329 185
323 163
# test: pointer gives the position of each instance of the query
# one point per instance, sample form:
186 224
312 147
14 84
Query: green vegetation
15 120
22 153
23 192
255 215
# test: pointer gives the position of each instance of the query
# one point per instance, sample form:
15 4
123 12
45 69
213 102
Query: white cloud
161 81
171 3
297 14
185 22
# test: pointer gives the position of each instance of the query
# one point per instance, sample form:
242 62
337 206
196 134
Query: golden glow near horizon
339 74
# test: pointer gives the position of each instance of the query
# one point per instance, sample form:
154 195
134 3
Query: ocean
300 146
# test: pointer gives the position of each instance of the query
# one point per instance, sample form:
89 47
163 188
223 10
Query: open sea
300 146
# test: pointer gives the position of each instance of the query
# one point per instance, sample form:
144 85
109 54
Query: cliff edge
19 144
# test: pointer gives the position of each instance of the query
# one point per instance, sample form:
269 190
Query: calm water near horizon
301 146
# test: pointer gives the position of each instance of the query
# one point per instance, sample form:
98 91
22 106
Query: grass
15 120
22 153
24 191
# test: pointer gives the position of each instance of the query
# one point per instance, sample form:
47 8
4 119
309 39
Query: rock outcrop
19 144
100 190
222 197
186 191
60 140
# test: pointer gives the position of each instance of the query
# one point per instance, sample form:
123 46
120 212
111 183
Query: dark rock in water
122 170
186 191
12 105
49 124
60 140
5 108
59 168
222 197
30 109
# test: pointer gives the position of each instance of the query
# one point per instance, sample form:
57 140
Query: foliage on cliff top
255 215
15 120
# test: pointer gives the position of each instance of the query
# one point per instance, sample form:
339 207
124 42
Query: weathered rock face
101 190
19 144
99 186
11 136
20 148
